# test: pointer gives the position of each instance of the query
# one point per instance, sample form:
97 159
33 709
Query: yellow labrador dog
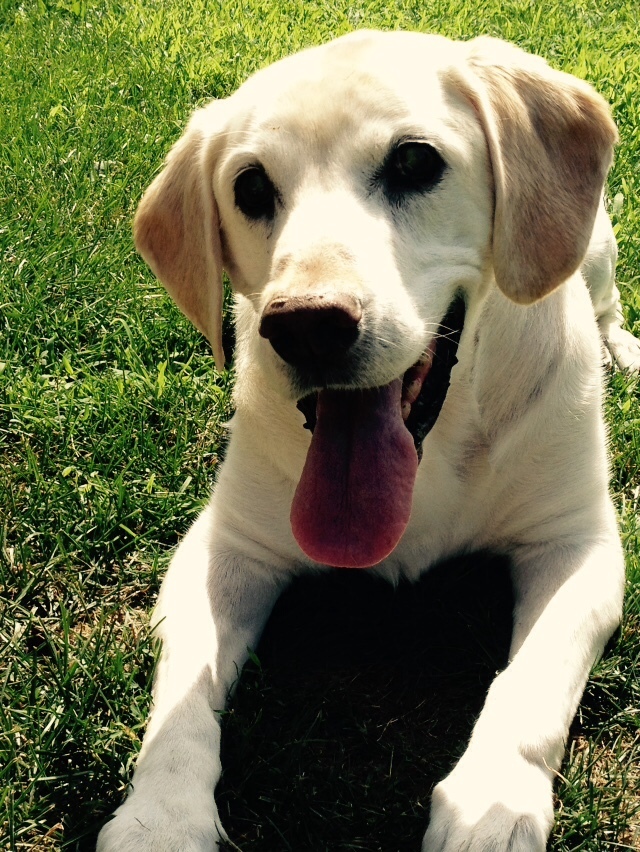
408 223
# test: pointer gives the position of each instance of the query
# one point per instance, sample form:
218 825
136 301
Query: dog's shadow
359 699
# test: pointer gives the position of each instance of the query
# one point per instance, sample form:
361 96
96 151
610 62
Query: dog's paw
482 805
139 827
622 349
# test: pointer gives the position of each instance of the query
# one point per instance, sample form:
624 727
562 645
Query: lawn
111 430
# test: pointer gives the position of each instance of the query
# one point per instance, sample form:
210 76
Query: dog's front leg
499 795
212 608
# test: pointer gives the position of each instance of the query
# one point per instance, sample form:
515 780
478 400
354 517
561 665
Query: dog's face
360 195
391 169
353 207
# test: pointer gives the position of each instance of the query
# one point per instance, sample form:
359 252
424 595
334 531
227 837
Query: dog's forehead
366 77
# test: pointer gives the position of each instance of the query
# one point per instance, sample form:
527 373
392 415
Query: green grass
110 434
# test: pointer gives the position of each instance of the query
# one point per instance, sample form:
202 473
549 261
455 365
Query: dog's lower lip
425 384
414 379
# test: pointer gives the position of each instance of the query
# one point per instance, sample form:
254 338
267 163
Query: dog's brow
281 265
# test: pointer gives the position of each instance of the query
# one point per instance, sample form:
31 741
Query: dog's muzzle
353 501
424 385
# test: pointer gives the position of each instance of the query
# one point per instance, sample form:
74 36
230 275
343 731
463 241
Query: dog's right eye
254 193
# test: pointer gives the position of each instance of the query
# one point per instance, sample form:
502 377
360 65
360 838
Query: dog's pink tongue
353 500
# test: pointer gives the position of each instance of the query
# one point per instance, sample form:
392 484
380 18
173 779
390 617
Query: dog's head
360 194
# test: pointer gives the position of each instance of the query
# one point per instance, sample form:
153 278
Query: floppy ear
550 138
176 230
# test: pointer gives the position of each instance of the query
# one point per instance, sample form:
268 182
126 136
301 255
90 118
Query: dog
409 225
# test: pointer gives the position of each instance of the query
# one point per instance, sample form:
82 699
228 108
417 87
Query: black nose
313 329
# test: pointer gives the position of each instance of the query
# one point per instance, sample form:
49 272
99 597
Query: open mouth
353 501
424 385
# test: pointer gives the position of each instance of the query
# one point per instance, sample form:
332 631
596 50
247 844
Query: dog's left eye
411 167
254 193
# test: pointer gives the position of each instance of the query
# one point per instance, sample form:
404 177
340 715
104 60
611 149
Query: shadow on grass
361 698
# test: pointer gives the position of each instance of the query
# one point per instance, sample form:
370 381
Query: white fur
516 462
